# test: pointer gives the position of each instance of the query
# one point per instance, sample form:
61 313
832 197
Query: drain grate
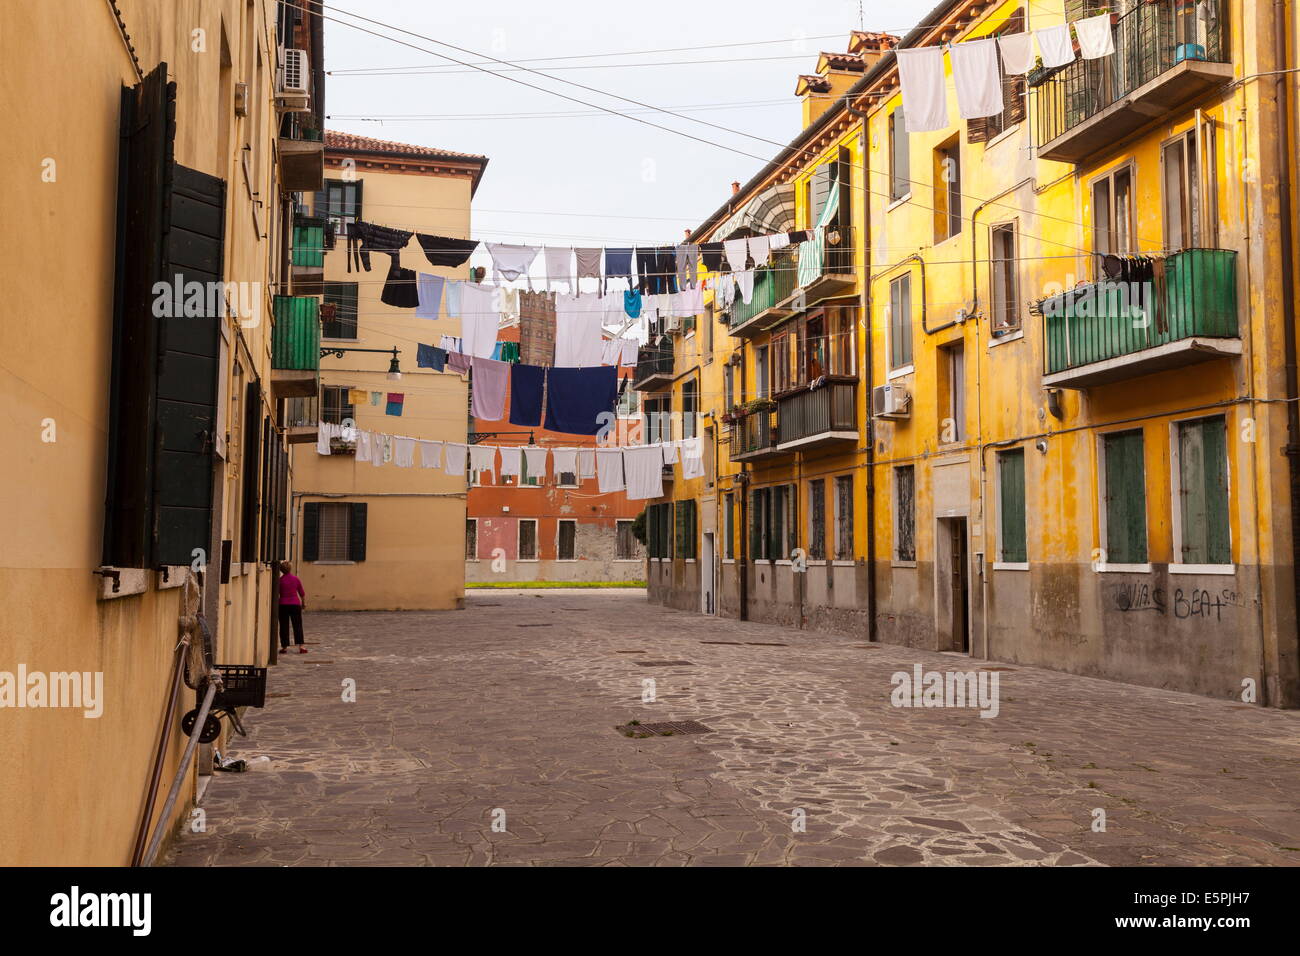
629 652
534 625
667 728
663 663
766 644
736 643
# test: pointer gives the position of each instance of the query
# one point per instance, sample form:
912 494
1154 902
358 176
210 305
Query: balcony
295 346
817 416
773 287
308 255
753 437
302 161
1110 331
654 368
1164 57
300 419
825 268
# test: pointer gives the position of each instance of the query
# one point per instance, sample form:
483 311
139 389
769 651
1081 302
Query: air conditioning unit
890 401
292 82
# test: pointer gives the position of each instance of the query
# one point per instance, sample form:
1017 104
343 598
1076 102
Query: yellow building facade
1071 394
373 537
148 467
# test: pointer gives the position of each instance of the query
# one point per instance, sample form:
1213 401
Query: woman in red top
291 604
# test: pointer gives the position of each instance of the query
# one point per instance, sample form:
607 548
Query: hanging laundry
588 262
506 352
376 397
509 462
429 288
1095 36
565 461
444 251
695 300
609 470
322 439
620 352
976 78
357 396
586 463
920 75
483 458
508 305
453 298
745 282
688 264
632 303
666 268
450 343
429 356
453 461
646 261
537 328
578 324
511 262
526 384
1017 53
366 237
669 449
557 267
778 241
381 449
399 288
1055 45
535 462
403 452
430 454
488 388
580 401
643 466
395 402
618 264
711 256
363 446
759 248
799 235
737 253
692 458
479 320
458 361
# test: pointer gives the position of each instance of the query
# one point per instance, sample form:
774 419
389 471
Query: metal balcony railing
1106 320
771 285
651 361
1150 39
831 407
753 433
309 242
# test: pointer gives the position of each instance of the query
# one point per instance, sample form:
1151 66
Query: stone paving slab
463 717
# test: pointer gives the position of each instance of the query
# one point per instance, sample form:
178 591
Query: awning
770 211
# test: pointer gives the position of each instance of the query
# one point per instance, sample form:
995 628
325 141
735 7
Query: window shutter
357 533
977 130
311 531
755 526
356 207
1126 523
1013 94
250 468
1011 476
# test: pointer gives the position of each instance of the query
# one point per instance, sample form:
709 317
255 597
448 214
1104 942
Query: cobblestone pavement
510 705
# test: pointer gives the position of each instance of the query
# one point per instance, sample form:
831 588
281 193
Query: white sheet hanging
431 454
479 319
976 78
1055 46
609 470
1095 37
1017 53
578 324
644 468
920 74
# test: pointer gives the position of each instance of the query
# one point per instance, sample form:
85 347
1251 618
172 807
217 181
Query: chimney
837 72
735 188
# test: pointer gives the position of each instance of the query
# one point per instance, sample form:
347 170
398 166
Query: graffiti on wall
1191 603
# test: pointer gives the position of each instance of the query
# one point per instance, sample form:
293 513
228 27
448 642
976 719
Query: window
339 311
685 531
1124 498
658 523
527 539
525 479
1112 213
843 322
760 523
905 513
1013 94
335 407
780 363
658 420
1183 200
690 407
1006 283
900 176
1202 534
781 532
707 331
566 479
810 363
471 539
566 540
340 202
761 377
947 190
625 541
334 531
729 525
728 387
817 520
1011 507
952 393
844 518
900 322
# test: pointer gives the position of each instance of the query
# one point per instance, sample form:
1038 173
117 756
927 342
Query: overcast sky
593 178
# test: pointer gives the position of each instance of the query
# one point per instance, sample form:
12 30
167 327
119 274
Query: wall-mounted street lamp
394 369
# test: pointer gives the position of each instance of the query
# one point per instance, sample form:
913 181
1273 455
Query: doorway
707 602
952 586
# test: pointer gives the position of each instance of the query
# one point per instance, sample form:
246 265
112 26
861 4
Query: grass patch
553 584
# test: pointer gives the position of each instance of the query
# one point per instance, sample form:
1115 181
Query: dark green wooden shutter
1011 480
249 469
1203 488
1126 498
189 374
311 531
357 535
755 525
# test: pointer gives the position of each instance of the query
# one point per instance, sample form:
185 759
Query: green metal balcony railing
295 341
771 285
651 361
830 407
753 433
1150 39
309 242
1106 320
